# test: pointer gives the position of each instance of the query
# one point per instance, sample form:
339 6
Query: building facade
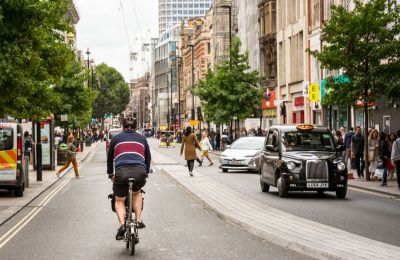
172 12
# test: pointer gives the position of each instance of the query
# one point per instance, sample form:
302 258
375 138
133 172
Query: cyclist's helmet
129 122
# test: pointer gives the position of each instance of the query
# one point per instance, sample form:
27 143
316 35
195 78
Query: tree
33 56
76 97
113 92
365 44
231 90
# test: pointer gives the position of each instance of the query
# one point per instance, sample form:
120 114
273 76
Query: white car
243 154
110 134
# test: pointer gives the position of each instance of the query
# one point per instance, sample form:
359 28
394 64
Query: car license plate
236 162
317 185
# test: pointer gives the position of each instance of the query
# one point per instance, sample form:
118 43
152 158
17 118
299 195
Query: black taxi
302 158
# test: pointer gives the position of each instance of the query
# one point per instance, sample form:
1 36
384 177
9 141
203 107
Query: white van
12 158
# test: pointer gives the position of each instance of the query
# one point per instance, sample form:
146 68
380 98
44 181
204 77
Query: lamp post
88 65
192 114
178 60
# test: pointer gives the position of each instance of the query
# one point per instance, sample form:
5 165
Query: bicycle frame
131 235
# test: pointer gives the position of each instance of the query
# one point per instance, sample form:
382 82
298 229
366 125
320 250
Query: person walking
395 156
347 144
391 140
212 138
71 158
205 146
384 156
373 151
357 152
189 145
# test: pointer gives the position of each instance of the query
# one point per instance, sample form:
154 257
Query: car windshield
248 144
307 141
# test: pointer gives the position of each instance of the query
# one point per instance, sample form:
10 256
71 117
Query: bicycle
132 234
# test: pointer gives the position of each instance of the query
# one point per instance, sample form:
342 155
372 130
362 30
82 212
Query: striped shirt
128 149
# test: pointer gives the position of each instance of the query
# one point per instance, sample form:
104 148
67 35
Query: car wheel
341 193
264 186
224 170
282 189
19 192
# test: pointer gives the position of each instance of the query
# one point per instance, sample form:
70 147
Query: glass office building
171 12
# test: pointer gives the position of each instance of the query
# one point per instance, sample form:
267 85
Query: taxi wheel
282 190
341 193
224 170
264 186
19 192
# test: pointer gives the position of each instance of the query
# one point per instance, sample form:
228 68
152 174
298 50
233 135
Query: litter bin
88 142
61 154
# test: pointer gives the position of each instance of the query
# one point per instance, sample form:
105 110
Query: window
6 139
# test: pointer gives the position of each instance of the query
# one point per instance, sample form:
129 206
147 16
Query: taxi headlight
291 166
341 166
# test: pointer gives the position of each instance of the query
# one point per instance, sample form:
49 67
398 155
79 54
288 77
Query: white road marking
23 222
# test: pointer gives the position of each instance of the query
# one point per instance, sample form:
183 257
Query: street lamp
178 60
88 66
192 46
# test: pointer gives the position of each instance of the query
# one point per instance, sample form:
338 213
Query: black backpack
27 145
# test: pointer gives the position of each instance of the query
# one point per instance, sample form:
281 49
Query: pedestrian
218 141
391 169
335 137
384 155
357 152
373 151
395 156
212 138
189 145
205 146
71 158
347 143
224 140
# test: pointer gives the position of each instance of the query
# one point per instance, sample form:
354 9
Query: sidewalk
374 186
10 205
289 231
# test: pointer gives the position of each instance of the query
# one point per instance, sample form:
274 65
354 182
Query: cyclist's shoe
140 225
120 233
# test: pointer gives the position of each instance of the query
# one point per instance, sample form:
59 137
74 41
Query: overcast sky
113 28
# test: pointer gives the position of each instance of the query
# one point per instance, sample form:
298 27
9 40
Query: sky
111 29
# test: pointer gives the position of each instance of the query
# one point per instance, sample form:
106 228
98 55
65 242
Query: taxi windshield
307 141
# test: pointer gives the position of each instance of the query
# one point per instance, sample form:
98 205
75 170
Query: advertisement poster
45 140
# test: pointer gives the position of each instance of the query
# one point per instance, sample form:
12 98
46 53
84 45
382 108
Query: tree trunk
366 119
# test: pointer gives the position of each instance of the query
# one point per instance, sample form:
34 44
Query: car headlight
291 166
341 166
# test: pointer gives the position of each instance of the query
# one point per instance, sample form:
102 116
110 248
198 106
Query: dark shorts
122 174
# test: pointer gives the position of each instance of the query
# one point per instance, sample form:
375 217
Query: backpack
27 145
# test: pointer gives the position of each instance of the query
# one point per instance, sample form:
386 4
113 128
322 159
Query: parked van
12 158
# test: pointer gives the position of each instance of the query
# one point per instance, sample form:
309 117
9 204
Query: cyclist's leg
137 205
120 209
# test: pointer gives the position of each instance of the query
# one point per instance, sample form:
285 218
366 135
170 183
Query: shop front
298 110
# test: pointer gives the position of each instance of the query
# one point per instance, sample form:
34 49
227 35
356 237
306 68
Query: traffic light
199 115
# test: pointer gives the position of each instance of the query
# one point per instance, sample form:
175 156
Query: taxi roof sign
305 127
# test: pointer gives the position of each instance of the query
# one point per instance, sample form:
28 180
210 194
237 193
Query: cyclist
130 153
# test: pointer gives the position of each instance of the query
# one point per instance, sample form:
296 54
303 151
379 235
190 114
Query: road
73 220
362 213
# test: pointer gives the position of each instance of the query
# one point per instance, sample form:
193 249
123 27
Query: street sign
313 92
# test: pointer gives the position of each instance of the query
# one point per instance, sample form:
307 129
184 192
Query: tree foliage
76 97
230 91
365 44
33 55
113 92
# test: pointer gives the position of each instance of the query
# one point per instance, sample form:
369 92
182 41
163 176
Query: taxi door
270 158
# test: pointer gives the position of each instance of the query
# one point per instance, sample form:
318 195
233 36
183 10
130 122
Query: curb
373 190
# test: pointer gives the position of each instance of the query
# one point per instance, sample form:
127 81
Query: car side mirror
271 148
340 148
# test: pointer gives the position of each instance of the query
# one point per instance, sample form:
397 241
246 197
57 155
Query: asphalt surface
77 223
362 213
